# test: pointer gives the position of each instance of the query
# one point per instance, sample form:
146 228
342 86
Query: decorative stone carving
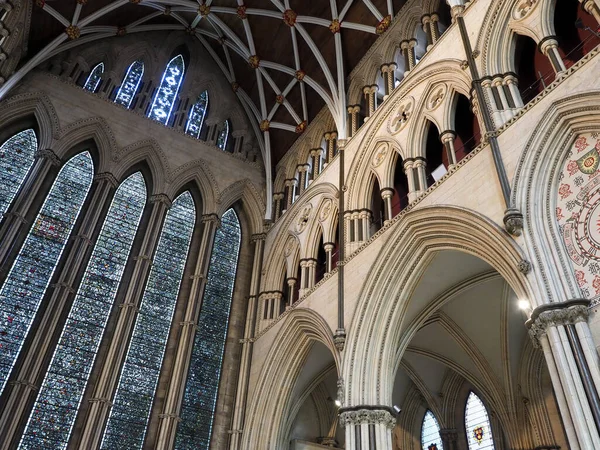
368 416
513 221
303 217
524 266
379 155
436 97
523 8
399 120
567 313
289 246
339 338
325 210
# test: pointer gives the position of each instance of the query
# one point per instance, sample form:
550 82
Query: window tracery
16 158
477 424
130 85
94 78
130 412
167 92
197 115
28 278
430 433
223 136
198 408
55 409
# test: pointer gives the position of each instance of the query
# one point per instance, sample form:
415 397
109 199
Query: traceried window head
477 424
94 78
198 408
430 433
167 91
16 158
130 85
28 278
197 115
59 396
130 412
223 136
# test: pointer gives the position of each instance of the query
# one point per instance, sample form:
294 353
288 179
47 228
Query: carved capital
368 415
49 155
554 315
513 221
161 198
108 177
339 338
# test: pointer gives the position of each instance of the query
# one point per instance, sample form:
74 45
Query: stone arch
198 172
149 152
267 409
374 338
254 206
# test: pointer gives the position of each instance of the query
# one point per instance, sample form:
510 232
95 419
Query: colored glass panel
196 116
16 158
198 409
32 270
477 424
55 409
430 433
94 78
223 136
167 92
130 85
131 407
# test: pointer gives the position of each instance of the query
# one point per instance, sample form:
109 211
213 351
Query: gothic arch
198 172
147 151
253 203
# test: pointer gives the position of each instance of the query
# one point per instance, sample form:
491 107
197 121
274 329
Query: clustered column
388 72
367 427
504 96
386 195
278 203
370 93
330 141
271 306
549 47
290 185
431 28
315 155
449 438
591 7
353 111
169 418
409 170
408 51
447 137
302 174
308 268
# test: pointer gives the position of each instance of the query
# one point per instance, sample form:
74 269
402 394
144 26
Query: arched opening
437 159
335 253
321 261
377 210
466 126
533 68
400 66
421 46
400 197
576 31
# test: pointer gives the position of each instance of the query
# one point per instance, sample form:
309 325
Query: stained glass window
132 403
94 78
477 424
198 408
16 158
223 136
430 433
30 274
167 92
196 116
130 85
55 408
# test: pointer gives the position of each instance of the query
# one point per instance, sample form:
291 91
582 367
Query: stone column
315 155
549 47
370 94
241 396
312 272
449 439
303 173
420 165
367 427
388 71
456 8
512 83
386 195
356 225
329 246
408 51
169 418
434 26
303 277
591 7
506 111
109 375
447 137
58 298
353 111
412 58
15 224
486 84
330 139
410 176
365 219
291 288
426 22
290 184
278 198
559 329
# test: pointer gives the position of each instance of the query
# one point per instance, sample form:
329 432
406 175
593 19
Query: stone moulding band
366 414
556 314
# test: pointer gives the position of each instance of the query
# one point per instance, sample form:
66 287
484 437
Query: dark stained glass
167 92
30 274
196 116
16 158
223 136
94 78
198 409
55 409
130 85
132 403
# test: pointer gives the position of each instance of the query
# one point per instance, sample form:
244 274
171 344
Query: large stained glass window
132 403
197 411
430 433
28 278
55 408
223 136
16 158
167 91
196 116
94 78
477 424
130 85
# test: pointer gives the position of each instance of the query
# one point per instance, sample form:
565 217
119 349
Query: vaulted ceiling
284 58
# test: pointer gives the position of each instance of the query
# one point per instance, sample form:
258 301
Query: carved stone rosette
368 416
565 313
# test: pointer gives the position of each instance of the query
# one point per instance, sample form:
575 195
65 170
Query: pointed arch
223 137
166 94
131 83
477 424
17 155
93 80
430 432
197 115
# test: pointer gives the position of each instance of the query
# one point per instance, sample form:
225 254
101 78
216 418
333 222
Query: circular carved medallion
436 97
401 117
303 217
379 155
325 210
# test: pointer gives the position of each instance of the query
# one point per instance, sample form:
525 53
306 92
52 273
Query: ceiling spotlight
397 409
524 305
338 403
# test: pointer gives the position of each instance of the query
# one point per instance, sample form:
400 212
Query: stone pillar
302 169
303 277
549 47
311 265
278 199
15 223
449 439
370 94
290 184
560 329
426 22
591 7
330 139
58 298
386 195
410 175
506 111
420 164
315 155
365 219
367 427
109 375
456 8
512 83
241 395
388 71
329 246
356 226
291 288
353 111
169 418
486 84
447 137
434 26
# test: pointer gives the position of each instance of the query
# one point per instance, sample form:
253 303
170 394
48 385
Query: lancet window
130 85
477 424
16 158
197 115
93 80
223 136
430 433
166 95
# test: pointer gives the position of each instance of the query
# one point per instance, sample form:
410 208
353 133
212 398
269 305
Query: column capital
259 236
367 414
547 43
161 198
556 314
352 109
404 44
330 135
448 135
49 155
425 19
372 89
108 177
212 217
